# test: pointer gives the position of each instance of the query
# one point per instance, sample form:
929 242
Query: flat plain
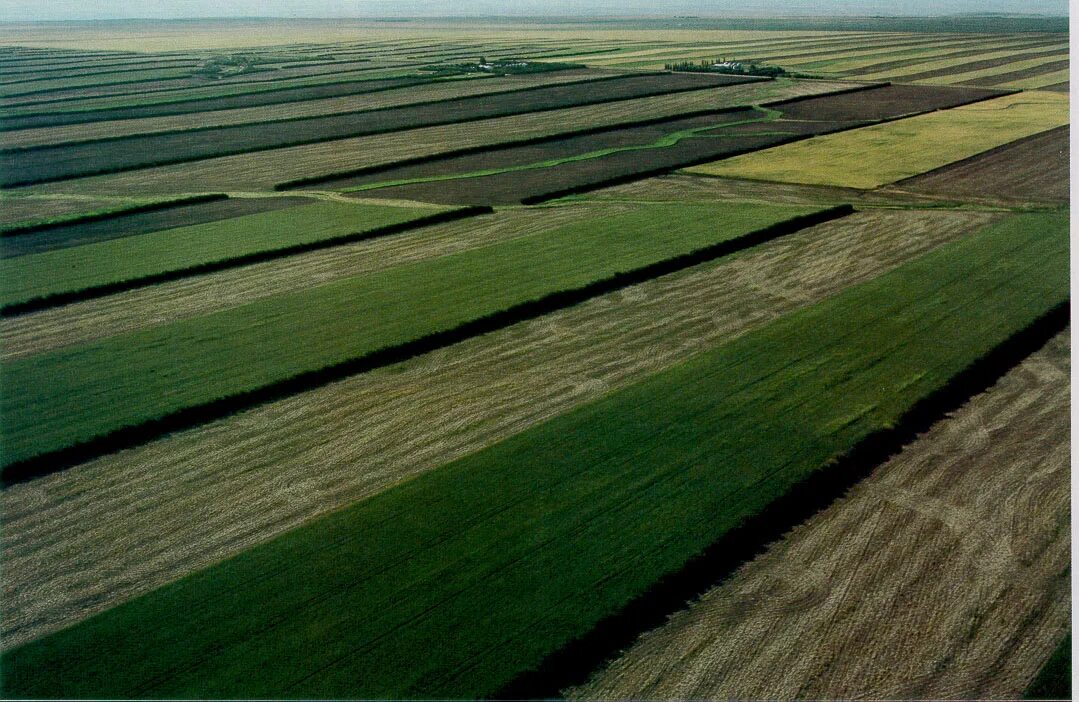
431 359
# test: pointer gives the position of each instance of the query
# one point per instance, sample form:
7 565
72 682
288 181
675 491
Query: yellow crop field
873 156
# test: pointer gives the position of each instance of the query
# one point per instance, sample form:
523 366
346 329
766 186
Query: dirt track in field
80 541
263 170
200 295
944 575
1033 169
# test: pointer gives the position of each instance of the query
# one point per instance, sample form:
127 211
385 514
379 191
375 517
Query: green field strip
974 76
766 115
853 66
1043 80
453 583
132 379
135 206
869 157
899 75
45 279
1054 680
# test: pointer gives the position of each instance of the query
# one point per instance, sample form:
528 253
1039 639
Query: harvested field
74 273
78 233
52 85
986 76
263 170
944 575
184 502
507 554
352 99
138 92
70 161
16 123
959 68
57 400
531 173
680 187
1033 72
19 209
872 156
878 62
1032 169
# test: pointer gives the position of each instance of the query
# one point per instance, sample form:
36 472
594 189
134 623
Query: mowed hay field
442 359
970 522
876 155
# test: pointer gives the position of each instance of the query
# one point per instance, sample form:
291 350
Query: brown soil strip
78 542
168 302
1025 73
261 171
1032 169
944 575
883 103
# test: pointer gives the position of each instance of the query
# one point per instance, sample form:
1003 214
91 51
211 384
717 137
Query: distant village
720 65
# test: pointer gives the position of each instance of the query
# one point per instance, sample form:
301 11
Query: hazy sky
23 10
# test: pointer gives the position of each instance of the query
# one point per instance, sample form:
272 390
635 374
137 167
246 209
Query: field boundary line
575 662
195 415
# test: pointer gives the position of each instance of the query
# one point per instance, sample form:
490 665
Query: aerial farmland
585 358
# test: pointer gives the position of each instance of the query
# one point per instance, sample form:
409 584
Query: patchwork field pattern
422 359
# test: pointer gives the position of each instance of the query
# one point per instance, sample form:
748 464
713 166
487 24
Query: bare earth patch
944 575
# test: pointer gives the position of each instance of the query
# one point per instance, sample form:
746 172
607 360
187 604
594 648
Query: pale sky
26 10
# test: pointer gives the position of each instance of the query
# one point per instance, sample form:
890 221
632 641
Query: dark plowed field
62 162
1058 87
887 102
1025 73
801 117
1034 169
139 223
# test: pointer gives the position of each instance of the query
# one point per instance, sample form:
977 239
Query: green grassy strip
767 115
1054 680
453 583
32 226
54 400
42 275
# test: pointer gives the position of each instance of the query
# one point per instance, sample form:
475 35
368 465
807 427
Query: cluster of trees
732 67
